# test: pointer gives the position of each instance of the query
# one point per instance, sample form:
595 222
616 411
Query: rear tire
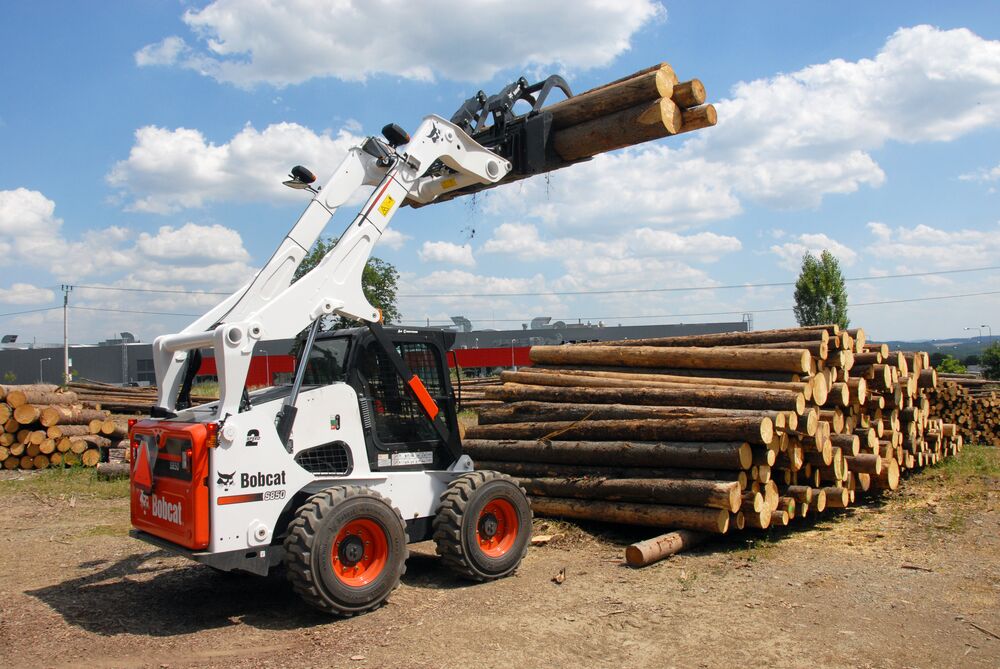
346 550
483 526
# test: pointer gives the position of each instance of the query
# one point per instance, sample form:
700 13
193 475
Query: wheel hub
488 525
351 550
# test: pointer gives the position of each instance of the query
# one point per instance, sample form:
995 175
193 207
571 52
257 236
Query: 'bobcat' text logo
226 480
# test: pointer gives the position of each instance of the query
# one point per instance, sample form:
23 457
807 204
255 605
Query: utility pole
65 289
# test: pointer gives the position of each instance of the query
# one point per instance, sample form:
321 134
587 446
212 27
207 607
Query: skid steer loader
334 474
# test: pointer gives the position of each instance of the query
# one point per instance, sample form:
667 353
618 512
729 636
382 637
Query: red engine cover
169 481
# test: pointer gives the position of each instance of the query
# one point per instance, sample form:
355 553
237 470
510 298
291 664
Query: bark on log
643 553
723 338
708 455
547 470
712 494
753 430
520 412
642 123
113 470
715 521
16 398
638 377
698 118
600 102
775 400
780 360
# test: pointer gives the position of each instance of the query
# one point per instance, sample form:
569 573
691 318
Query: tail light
212 438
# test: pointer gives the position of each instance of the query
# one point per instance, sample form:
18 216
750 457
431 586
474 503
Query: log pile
971 403
120 399
46 426
711 432
471 393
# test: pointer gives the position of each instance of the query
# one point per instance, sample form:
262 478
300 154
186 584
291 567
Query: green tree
950 365
990 361
820 295
9 377
970 360
378 281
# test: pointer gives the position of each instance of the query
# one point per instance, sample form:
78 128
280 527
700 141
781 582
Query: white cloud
447 252
786 141
170 170
249 42
25 293
165 52
924 248
523 241
791 253
983 175
193 243
393 239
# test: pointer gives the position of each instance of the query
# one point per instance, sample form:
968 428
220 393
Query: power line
174 291
622 291
29 311
625 291
134 311
728 313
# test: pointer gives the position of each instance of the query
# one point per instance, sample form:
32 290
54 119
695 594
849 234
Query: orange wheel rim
497 527
360 552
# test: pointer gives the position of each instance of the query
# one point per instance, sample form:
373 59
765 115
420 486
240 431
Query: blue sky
144 144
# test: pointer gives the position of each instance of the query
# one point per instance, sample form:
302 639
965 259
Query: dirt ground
912 580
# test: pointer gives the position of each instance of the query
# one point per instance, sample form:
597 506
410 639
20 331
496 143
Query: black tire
460 517
313 566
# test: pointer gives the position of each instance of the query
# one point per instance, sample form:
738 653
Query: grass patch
207 389
974 462
79 481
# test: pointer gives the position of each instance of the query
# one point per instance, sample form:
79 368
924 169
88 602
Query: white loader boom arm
271 306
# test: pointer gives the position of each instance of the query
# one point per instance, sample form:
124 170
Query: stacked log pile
711 432
647 105
472 392
971 403
45 426
120 399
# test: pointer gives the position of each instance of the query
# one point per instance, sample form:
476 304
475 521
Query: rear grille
333 459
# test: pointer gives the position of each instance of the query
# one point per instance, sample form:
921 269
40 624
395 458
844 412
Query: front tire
346 550
483 526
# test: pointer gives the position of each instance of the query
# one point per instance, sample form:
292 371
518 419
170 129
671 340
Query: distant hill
955 347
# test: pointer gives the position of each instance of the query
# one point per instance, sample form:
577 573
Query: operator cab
398 434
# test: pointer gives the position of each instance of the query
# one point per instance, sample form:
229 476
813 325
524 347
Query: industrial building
125 361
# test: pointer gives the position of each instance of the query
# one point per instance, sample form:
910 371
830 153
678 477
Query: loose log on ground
113 470
715 521
713 494
647 552
706 455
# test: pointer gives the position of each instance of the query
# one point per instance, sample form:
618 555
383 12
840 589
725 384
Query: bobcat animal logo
226 480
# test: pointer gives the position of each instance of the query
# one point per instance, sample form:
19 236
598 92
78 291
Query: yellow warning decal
448 183
386 205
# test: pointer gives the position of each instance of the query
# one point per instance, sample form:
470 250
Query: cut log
713 494
779 360
753 430
16 398
642 123
90 457
749 398
605 100
545 470
715 521
705 455
113 470
522 412
647 552
25 414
